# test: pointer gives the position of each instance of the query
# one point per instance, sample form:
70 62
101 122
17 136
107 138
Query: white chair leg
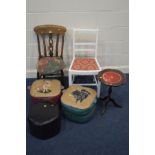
98 89
70 79
73 78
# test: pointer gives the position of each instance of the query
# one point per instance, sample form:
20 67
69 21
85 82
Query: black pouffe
44 120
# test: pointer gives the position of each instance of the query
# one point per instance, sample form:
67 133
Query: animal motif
80 95
44 88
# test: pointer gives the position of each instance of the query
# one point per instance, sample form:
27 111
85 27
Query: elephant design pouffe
78 103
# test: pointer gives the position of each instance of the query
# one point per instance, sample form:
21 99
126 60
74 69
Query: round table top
111 77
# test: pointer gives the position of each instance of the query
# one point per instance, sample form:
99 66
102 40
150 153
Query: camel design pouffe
78 103
45 90
44 120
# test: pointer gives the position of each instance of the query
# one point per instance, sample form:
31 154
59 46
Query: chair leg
98 89
62 78
73 78
70 79
38 76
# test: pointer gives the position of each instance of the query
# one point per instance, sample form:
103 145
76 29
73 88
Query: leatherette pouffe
44 120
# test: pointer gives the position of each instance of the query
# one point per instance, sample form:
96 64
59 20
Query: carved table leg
107 99
104 108
115 104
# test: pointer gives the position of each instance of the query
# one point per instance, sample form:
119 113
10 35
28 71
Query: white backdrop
110 16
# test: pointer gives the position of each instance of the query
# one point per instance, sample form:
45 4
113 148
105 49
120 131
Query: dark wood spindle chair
50 39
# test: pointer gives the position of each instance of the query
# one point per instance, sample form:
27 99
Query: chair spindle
43 37
50 45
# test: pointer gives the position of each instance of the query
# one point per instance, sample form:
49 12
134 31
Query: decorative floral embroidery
85 64
49 65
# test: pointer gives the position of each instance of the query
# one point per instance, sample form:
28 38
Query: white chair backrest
85 42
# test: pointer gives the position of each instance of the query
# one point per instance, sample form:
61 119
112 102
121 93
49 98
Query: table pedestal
107 99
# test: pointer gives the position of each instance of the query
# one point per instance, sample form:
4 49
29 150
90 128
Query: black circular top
43 113
111 77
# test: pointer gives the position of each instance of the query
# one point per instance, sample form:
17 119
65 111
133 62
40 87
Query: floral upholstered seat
48 65
85 64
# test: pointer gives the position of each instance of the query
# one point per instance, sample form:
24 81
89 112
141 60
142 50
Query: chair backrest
85 42
50 40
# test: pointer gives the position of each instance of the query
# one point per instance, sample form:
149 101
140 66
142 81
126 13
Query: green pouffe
79 103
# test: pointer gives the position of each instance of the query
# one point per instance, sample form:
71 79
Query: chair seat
85 64
49 65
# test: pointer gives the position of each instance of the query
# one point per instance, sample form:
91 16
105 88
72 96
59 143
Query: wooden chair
85 57
50 39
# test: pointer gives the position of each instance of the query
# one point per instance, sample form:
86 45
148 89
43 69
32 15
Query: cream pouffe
46 90
79 103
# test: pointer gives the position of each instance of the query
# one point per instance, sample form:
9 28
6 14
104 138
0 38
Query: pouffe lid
43 113
78 97
45 88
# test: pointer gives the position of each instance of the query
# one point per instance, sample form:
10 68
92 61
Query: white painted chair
85 57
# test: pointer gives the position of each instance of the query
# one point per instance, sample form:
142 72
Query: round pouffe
80 118
44 120
78 103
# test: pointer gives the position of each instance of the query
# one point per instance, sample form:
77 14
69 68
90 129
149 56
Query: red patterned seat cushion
112 77
84 64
